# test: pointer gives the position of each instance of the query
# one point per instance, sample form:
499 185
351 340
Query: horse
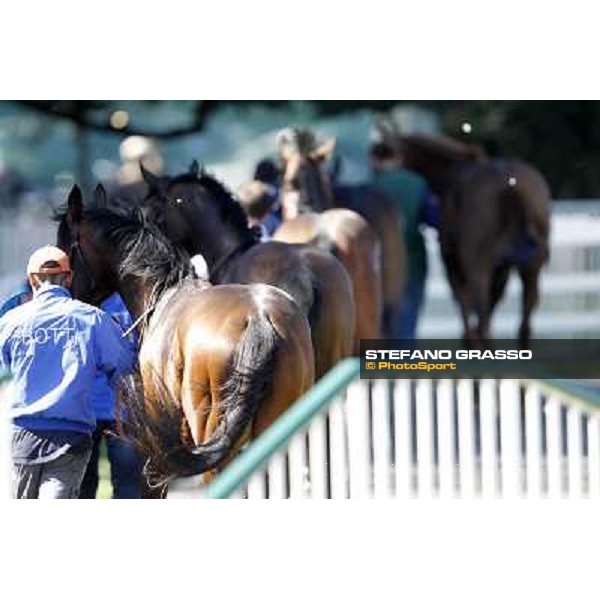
385 217
495 217
198 213
309 217
218 364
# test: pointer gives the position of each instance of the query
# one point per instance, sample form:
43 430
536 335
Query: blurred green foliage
561 138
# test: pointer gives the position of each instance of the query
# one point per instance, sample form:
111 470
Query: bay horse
495 217
310 217
198 213
218 364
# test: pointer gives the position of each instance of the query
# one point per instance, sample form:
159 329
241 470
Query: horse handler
54 346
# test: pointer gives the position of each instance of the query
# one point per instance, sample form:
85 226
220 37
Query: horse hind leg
529 277
487 302
499 281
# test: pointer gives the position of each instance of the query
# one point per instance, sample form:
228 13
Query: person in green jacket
418 208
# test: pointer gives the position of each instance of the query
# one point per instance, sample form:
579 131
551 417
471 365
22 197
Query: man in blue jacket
54 346
126 463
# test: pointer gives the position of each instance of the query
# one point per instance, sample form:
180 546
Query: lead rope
138 321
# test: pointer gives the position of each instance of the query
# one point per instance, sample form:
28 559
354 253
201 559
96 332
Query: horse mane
230 209
146 252
301 139
445 147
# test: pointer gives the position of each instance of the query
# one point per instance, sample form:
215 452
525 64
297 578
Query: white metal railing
439 439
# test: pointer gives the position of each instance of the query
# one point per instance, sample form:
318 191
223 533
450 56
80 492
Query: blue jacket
103 396
53 347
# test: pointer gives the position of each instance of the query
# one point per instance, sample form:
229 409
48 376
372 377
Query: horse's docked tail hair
157 430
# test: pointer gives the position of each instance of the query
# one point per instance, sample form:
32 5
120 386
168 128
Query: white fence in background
440 439
20 235
570 283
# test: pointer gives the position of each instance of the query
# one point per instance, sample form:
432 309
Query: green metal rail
300 414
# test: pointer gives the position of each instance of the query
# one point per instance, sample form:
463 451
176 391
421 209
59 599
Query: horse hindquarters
319 284
269 364
332 315
354 242
361 257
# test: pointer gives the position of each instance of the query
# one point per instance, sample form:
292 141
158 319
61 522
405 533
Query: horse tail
527 241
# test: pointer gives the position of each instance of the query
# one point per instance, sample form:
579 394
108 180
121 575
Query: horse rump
156 423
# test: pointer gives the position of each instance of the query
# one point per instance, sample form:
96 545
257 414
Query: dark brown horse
385 217
309 217
218 364
495 217
199 214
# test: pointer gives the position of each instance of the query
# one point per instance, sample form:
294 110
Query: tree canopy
561 138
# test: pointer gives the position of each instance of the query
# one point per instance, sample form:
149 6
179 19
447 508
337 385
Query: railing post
489 441
466 437
317 449
574 452
298 461
510 436
403 463
359 450
338 467
533 426
446 439
425 439
554 442
277 474
593 437
382 444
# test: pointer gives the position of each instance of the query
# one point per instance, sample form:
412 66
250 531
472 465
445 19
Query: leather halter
75 249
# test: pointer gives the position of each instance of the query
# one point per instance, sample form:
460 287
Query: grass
104 487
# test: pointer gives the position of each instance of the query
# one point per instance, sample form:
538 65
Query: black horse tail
161 433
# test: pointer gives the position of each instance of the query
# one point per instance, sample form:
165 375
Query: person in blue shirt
261 203
54 347
21 295
126 463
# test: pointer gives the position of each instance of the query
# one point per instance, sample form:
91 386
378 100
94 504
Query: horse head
196 211
93 280
305 185
437 158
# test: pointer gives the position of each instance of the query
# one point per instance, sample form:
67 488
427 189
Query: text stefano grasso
384 354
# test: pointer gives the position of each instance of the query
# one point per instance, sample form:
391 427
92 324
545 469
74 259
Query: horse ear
100 197
324 151
194 169
151 179
75 205
284 144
